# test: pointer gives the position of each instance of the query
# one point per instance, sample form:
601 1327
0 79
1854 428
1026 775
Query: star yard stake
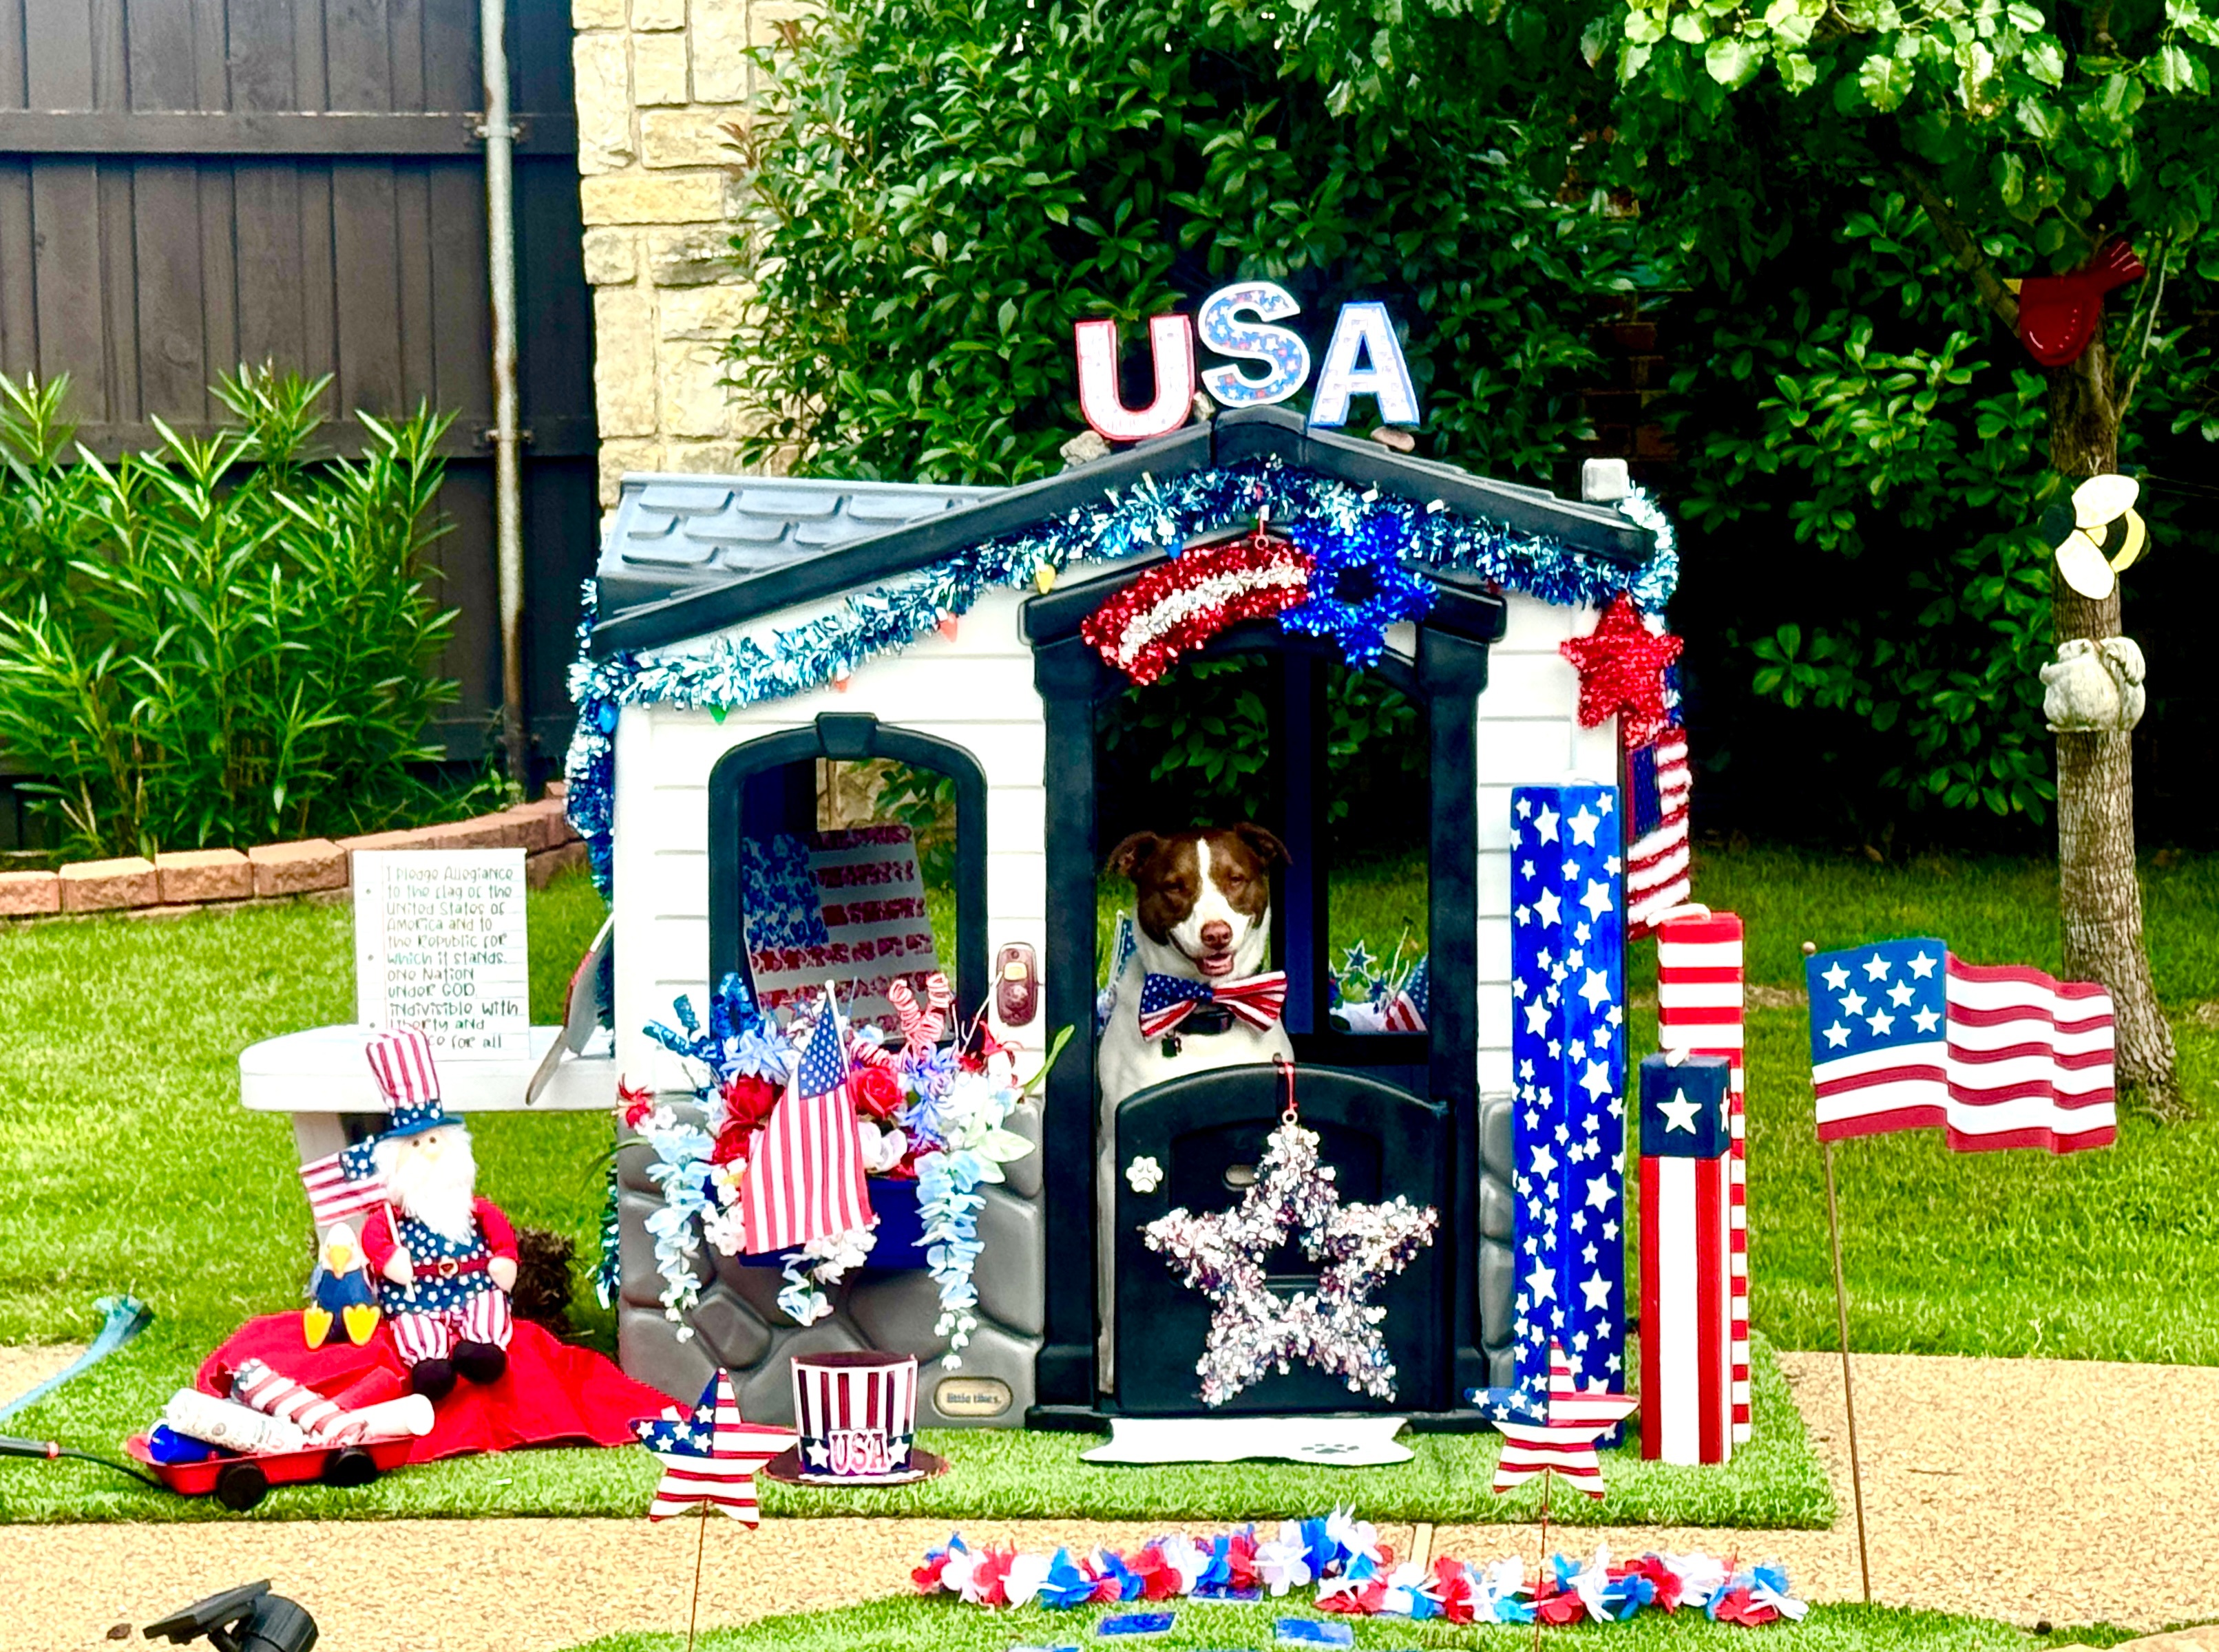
710 1458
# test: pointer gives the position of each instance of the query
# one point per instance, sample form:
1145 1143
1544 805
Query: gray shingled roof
671 534
689 555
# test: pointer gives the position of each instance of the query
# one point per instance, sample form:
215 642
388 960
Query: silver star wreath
1334 1328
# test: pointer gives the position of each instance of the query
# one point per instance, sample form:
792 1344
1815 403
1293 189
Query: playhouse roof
688 554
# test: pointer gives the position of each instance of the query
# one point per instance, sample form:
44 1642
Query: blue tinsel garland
1341 524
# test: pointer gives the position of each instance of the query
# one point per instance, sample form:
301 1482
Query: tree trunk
2100 896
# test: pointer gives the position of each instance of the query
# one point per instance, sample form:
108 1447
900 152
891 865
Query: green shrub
945 186
217 643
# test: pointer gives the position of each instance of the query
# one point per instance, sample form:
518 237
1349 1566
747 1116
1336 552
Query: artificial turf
126 1164
912 1624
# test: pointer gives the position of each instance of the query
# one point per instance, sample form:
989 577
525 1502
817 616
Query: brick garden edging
188 879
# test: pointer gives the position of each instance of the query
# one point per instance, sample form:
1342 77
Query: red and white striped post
1687 1372
1699 1012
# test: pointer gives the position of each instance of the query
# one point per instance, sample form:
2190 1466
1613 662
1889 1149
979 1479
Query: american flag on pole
1563 1442
1686 1366
709 1457
1906 1036
806 1176
1658 785
1699 1012
342 1184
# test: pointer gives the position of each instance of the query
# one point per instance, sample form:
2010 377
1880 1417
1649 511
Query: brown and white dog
1204 914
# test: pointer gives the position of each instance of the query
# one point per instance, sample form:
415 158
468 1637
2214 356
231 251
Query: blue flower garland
1344 524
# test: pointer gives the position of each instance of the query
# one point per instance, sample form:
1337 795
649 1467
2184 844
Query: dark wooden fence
186 184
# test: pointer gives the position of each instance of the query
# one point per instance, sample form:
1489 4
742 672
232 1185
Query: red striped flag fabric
1904 1035
1564 1442
806 1176
401 1061
1659 783
1700 1012
1686 1370
341 1186
709 1457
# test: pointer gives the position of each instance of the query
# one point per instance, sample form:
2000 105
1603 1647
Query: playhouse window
1330 759
850 870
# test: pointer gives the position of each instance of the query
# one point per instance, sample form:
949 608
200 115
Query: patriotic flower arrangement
1356 1574
924 1112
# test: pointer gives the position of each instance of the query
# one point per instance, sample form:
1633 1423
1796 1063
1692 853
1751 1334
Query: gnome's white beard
438 1189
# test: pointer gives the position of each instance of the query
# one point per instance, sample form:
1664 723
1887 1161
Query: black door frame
847 736
1448 675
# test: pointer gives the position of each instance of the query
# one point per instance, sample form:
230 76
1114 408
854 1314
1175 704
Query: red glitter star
1621 664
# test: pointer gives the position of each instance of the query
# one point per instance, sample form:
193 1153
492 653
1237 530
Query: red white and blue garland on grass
1356 1574
1354 535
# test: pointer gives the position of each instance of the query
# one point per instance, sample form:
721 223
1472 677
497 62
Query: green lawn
129 1166
908 1624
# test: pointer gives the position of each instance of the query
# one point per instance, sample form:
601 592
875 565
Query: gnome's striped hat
401 1061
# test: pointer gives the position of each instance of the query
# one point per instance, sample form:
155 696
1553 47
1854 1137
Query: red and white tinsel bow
1182 604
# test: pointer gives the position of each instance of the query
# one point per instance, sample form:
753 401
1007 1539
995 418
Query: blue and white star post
1569 1062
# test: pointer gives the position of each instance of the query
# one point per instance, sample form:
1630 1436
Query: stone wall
658 81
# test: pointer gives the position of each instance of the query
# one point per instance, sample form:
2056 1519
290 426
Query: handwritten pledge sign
438 942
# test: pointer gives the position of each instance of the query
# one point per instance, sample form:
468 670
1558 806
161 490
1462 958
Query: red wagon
238 1483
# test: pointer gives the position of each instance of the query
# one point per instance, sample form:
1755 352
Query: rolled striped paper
856 1414
255 1384
1686 1370
1700 1012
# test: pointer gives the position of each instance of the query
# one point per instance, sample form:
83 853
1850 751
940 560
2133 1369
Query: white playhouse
747 629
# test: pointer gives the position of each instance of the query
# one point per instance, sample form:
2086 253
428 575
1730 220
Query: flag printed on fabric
1406 1004
1658 785
1905 1036
342 1184
1167 1000
709 1457
805 1177
1564 1442
846 905
1568 1054
1700 1012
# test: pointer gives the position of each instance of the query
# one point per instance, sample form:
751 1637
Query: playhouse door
1207 1132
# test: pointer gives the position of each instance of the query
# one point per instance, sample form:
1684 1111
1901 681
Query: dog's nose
1217 936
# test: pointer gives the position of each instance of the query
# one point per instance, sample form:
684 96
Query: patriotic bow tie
1166 1000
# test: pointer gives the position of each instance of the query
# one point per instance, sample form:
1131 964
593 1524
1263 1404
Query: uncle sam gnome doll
444 1258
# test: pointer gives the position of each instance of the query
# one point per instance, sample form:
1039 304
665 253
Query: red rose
747 1102
877 1092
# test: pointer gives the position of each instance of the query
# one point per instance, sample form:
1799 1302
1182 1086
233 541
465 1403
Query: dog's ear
1264 845
1125 860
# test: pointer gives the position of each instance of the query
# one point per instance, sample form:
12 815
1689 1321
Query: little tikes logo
1362 359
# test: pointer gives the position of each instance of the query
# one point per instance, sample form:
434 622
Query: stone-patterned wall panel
1013 1284
995 1354
649 1349
1497 1261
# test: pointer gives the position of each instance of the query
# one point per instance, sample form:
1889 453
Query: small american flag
1905 1036
342 1184
1658 784
805 1177
1564 1445
709 1457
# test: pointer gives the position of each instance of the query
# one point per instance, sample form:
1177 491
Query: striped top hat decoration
856 1414
408 1079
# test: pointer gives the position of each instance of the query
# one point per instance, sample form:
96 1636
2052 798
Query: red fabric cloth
552 1394
378 1244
